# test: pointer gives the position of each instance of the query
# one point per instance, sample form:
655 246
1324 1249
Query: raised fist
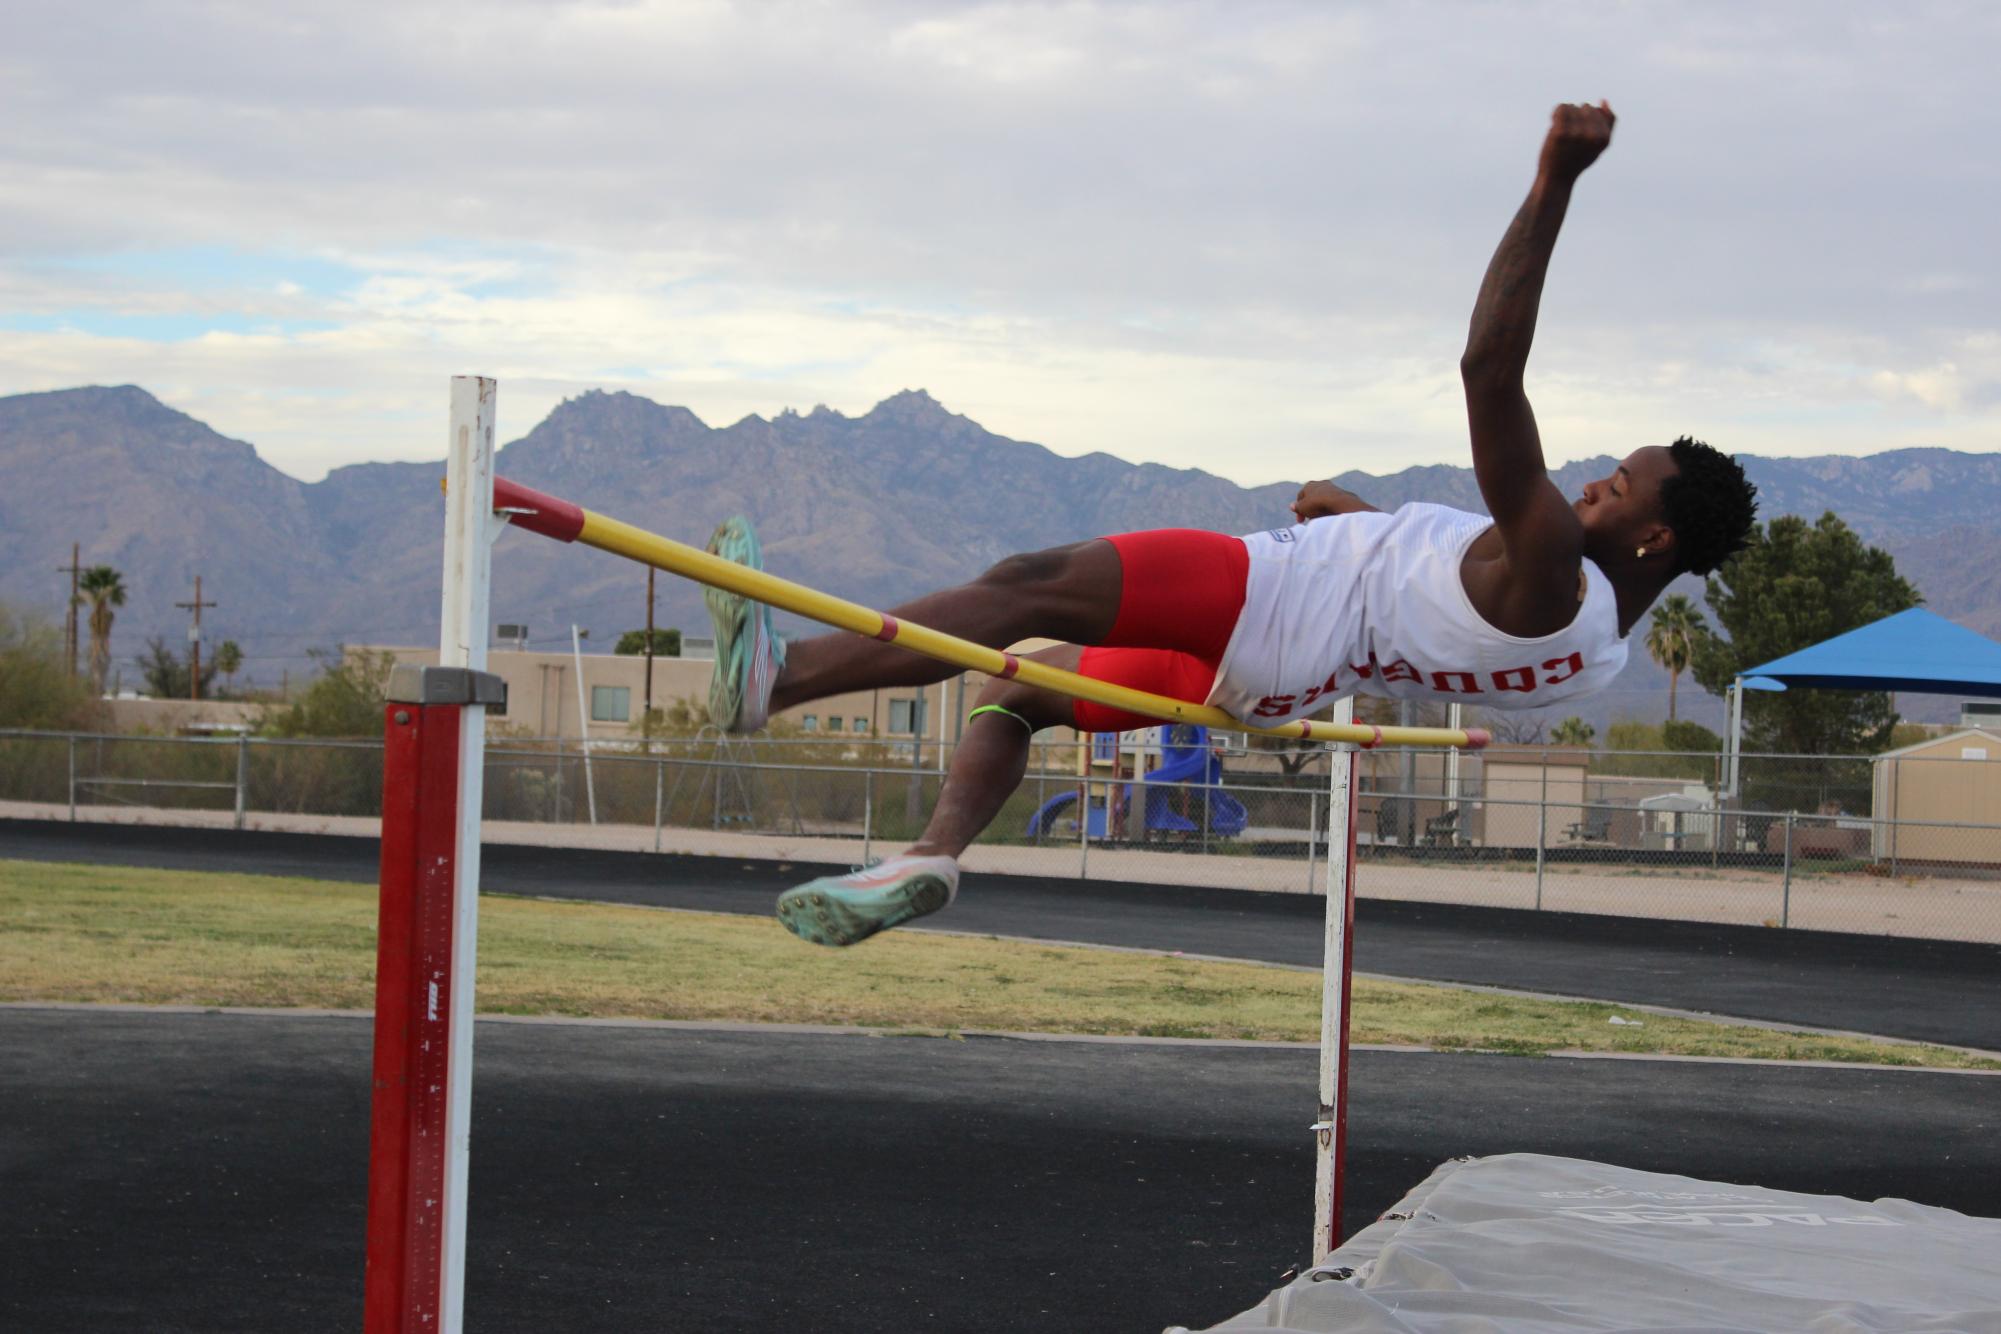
1577 135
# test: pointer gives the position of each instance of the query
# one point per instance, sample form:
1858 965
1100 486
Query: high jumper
1523 610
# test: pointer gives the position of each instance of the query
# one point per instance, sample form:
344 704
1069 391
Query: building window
810 723
833 722
903 716
611 704
861 725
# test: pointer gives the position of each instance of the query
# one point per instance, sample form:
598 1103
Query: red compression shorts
1181 592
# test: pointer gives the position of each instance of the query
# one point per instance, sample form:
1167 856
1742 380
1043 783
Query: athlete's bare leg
986 768
1069 593
992 756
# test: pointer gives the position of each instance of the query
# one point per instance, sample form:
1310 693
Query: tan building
1951 780
1514 783
1407 798
544 699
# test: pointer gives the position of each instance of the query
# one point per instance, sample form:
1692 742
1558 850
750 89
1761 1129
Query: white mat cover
1527 1242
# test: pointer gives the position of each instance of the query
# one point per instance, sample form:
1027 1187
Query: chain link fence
1895 845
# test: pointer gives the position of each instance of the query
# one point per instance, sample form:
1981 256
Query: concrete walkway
1912 906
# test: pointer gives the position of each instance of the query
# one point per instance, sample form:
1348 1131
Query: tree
1514 729
1672 633
1572 731
1796 585
345 700
229 661
1660 750
1691 738
1294 753
36 689
166 672
100 588
666 643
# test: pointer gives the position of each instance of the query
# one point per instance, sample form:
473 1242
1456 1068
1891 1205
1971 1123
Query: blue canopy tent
1917 651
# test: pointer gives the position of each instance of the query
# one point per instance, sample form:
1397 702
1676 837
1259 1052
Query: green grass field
117 934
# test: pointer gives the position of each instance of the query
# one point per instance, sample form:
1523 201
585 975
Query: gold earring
1640 552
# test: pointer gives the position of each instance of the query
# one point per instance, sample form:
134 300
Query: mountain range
878 507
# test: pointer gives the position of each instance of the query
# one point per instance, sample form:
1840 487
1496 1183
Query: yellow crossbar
567 522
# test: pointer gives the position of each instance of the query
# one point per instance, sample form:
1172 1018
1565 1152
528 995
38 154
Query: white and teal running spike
845 909
749 652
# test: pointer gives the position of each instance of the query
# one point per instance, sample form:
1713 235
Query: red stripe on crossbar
536 512
1009 666
889 629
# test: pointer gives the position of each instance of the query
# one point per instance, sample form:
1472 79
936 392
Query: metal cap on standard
412 684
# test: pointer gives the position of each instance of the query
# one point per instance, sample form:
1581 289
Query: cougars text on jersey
1516 680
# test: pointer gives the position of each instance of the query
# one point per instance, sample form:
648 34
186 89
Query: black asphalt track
207 1172
1937 991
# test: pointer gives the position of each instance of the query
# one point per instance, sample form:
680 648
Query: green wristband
995 708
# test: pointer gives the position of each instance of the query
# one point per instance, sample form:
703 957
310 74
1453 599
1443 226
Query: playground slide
1165 804
1191 764
1047 813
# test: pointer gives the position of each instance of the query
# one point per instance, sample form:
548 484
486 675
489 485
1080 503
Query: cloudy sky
1239 236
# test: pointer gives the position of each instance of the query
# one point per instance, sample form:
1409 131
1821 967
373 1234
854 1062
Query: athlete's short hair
1710 504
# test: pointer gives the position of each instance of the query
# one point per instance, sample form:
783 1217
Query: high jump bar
567 522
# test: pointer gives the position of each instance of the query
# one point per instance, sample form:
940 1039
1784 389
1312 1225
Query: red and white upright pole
1336 979
433 763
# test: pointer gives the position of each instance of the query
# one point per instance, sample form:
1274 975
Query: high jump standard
433 763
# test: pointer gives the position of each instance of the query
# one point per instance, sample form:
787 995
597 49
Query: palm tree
229 661
1671 638
1573 731
100 588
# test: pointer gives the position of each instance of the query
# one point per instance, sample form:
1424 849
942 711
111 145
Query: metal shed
1926 793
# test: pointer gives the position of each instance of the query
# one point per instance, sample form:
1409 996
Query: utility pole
646 708
75 568
194 641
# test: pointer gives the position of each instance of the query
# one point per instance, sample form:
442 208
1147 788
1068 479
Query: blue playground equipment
1186 758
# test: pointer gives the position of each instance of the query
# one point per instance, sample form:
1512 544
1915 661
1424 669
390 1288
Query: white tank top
1373 604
